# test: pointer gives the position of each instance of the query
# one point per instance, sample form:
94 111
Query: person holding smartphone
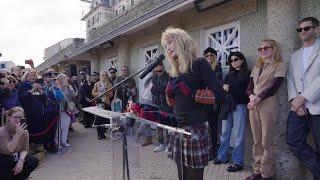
15 162
31 93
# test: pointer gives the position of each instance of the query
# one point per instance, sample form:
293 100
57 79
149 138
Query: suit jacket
305 82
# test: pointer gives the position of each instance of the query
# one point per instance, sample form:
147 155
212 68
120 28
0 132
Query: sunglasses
159 71
264 48
307 28
12 81
234 60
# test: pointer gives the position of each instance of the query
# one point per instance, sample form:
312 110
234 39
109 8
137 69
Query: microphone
150 67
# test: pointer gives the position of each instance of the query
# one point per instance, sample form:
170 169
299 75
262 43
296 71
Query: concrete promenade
92 159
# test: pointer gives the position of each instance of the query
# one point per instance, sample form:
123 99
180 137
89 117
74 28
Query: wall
309 8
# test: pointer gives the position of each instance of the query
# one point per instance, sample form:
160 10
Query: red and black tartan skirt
194 151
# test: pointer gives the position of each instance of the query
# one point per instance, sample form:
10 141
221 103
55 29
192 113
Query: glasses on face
159 71
260 49
18 117
12 81
307 28
234 60
209 55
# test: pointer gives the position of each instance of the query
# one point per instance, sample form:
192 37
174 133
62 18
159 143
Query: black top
200 77
238 83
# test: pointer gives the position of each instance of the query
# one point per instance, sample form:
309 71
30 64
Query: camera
38 91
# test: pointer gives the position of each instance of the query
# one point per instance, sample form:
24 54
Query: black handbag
227 107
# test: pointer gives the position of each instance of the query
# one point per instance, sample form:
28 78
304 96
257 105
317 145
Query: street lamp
202 5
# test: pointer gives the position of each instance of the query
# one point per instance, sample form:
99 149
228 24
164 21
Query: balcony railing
136 11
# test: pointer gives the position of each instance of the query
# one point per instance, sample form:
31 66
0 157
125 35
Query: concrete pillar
123 52
282 19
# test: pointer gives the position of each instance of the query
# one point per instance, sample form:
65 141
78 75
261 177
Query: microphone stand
123 130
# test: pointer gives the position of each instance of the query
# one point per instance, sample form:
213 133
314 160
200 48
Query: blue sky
29 26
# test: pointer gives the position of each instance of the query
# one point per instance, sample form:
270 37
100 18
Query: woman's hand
257 100
252 97
251 105
18 168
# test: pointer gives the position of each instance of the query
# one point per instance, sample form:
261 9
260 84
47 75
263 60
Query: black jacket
158 91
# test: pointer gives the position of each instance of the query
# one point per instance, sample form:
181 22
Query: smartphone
23 120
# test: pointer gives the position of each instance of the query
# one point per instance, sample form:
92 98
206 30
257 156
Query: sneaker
159 148
235 168
66 145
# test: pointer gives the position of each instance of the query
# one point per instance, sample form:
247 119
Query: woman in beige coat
265 79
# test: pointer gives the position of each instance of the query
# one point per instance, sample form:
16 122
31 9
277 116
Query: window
123 8
146 54
88 23
109 63
224 39
116 13
92 20
3 66
132 2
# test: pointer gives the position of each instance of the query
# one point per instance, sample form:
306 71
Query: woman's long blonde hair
185 48
214 62
276 52
28 71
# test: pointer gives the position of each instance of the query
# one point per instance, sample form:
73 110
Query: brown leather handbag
205 96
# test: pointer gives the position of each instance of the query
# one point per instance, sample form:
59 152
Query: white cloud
28 27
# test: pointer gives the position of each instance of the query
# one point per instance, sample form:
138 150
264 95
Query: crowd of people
34 105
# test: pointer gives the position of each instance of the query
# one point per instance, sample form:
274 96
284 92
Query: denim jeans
298 129
237 121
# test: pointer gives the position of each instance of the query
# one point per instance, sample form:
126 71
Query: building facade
132 37
6 65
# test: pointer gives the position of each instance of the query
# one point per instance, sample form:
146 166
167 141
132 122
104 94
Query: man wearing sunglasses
303 83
